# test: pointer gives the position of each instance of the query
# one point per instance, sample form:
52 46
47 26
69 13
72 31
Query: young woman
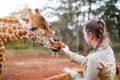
100 63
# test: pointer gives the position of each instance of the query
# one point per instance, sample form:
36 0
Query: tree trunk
77 38
89 2
83 41
119 32
77 28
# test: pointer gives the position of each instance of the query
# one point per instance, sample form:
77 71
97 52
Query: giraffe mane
13 20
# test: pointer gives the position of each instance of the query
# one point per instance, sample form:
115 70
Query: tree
111 14
68 12
21 13
72 17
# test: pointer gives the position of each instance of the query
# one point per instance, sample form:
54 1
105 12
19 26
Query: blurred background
67 18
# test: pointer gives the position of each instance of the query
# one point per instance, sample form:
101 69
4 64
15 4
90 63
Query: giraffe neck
12 32
2 57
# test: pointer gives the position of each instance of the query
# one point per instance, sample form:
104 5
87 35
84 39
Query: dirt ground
35 67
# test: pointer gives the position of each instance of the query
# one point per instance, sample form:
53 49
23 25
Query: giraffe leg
2 57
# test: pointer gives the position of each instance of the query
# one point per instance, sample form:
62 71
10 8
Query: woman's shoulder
102 54
102 50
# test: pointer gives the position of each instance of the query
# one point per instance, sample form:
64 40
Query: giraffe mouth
55 49
57 46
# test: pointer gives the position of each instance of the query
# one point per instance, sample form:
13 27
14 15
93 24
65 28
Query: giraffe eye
33 29
56 39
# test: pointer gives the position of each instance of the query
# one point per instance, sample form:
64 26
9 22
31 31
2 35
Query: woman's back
105 59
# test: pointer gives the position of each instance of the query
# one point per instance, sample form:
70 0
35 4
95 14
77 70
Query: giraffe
34 28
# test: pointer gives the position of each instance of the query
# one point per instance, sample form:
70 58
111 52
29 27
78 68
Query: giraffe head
40 31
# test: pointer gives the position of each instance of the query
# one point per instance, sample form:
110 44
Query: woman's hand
67 70
65 49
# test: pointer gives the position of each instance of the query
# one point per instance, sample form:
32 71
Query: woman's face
86 37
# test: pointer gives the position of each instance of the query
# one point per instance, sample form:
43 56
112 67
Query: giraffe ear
24 24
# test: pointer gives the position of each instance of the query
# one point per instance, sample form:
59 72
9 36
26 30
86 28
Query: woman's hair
98 28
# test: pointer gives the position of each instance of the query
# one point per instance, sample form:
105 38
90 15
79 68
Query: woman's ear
91 35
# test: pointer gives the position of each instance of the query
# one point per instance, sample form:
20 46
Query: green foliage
111 14
116 47
21 13
17 46
29 51
71 14
26 46
116 77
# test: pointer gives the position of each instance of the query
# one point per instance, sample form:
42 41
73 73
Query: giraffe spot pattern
10 31
14 27
2 50
4 28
